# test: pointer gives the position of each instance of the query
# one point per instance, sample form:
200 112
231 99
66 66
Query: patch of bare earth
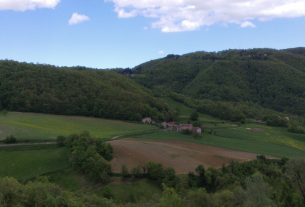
182 156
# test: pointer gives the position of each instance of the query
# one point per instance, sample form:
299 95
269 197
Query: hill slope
273 79
75 91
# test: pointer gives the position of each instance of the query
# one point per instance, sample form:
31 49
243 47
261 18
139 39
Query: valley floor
181 155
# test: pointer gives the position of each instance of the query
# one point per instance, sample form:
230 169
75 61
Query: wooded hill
231 85
75 91
273 79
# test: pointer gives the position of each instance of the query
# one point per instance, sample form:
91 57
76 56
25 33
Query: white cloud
161 52
247 24
77 18
189 15
23 5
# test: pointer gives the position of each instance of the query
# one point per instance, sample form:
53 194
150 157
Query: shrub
194 116
89 156
60 141
276 121
10 140
294 128
125 172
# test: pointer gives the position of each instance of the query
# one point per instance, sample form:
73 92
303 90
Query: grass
255 138
26 163
31 126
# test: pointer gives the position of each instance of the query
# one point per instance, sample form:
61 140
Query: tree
170 179
10 140
60 141
257 193
125 172
90 156
10 192
199 198
202 180
296 173
194 116
104 149
170 198
155 172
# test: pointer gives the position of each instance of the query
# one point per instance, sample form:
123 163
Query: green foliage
194 116
60 141
10 140
156 173
268 78
276 121
170 198
10 192
296 128
125 172
89 156
257 193
296 172
75 91
44 194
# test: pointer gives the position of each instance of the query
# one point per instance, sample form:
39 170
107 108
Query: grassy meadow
28 162
256 138
31 126
25 163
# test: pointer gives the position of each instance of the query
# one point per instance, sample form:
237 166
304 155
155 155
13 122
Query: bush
295 128
125 172
10 140
89 156
60 141
194 116
276 121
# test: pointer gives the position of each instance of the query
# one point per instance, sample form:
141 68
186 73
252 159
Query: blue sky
122 33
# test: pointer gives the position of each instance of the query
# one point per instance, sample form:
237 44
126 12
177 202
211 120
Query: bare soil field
182 156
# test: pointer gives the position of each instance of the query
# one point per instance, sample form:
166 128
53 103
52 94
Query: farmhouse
185 127
172 126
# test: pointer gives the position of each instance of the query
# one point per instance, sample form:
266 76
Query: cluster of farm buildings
173 126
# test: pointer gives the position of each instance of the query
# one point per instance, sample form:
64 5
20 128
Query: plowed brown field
182 156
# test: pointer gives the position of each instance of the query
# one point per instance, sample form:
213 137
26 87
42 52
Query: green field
254 138
30 126
28 162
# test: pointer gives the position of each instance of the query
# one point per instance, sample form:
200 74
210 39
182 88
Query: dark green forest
75 91
232 85
273 79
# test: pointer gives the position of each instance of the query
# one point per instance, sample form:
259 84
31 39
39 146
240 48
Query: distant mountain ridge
271 78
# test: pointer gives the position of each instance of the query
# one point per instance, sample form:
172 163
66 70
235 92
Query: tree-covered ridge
75 91
273 79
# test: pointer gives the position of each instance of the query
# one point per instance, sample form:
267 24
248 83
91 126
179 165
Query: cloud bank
188 15
77 18
23 5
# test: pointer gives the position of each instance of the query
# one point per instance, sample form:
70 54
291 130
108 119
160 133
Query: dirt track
182 156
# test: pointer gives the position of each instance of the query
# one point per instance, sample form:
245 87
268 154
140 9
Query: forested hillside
75 91
273 79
